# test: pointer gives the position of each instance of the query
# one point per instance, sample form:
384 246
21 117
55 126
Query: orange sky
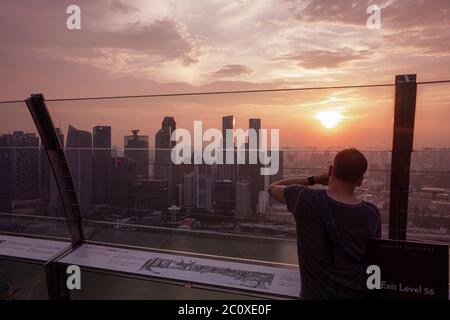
141 47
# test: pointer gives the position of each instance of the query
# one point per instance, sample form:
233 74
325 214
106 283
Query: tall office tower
169 122
223 196
149 195
255 124
189 191
55 207
204 184
79 156
102 165
164 169
227 123
252 172
136 149
242 199
228 171
19 169
123 175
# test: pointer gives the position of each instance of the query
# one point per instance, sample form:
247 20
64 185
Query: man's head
349 166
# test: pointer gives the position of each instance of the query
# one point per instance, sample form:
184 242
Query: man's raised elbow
276 192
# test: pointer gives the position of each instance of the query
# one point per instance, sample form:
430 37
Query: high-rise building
101 164
19 169
79 156
255 124
223 196
137 149
204 183
252 171
227 171
123 175
242 199
150 194
189 191
228 123
169 122
164 168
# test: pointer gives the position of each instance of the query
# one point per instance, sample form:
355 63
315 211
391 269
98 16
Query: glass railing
137 196
29 198
429 198
131 194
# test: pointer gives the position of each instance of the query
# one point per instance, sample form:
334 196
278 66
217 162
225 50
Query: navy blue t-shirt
324 274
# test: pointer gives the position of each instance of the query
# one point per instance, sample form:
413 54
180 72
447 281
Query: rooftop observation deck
110 200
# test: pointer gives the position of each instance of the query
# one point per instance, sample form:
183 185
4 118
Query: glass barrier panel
22 281
132 191
29 199
429 200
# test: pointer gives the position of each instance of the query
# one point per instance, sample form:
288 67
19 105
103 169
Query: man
333 228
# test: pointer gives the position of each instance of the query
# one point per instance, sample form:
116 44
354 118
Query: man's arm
276 189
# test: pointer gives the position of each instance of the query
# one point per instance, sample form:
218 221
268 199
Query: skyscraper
227 123
136 149
242 199
223 196
227 171
252 171
255 124
123 176
102 164
79 156
204 184
164 169
19 169
189 191
149 195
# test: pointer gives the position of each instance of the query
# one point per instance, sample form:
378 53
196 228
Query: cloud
419 26
201 43
121 6
313 59
231 71
337 11
161 40
394 13
128 45
436 43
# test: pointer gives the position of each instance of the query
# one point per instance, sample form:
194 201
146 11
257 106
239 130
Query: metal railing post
402 146
64 182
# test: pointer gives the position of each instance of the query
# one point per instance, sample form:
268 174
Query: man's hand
322 179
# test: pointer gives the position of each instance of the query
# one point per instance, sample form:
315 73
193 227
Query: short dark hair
349 165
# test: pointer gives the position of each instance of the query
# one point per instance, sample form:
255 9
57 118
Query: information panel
271 280
31 248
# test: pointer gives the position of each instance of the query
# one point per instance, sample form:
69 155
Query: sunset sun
330 118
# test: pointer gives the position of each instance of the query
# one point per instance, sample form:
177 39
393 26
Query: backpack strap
330 225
